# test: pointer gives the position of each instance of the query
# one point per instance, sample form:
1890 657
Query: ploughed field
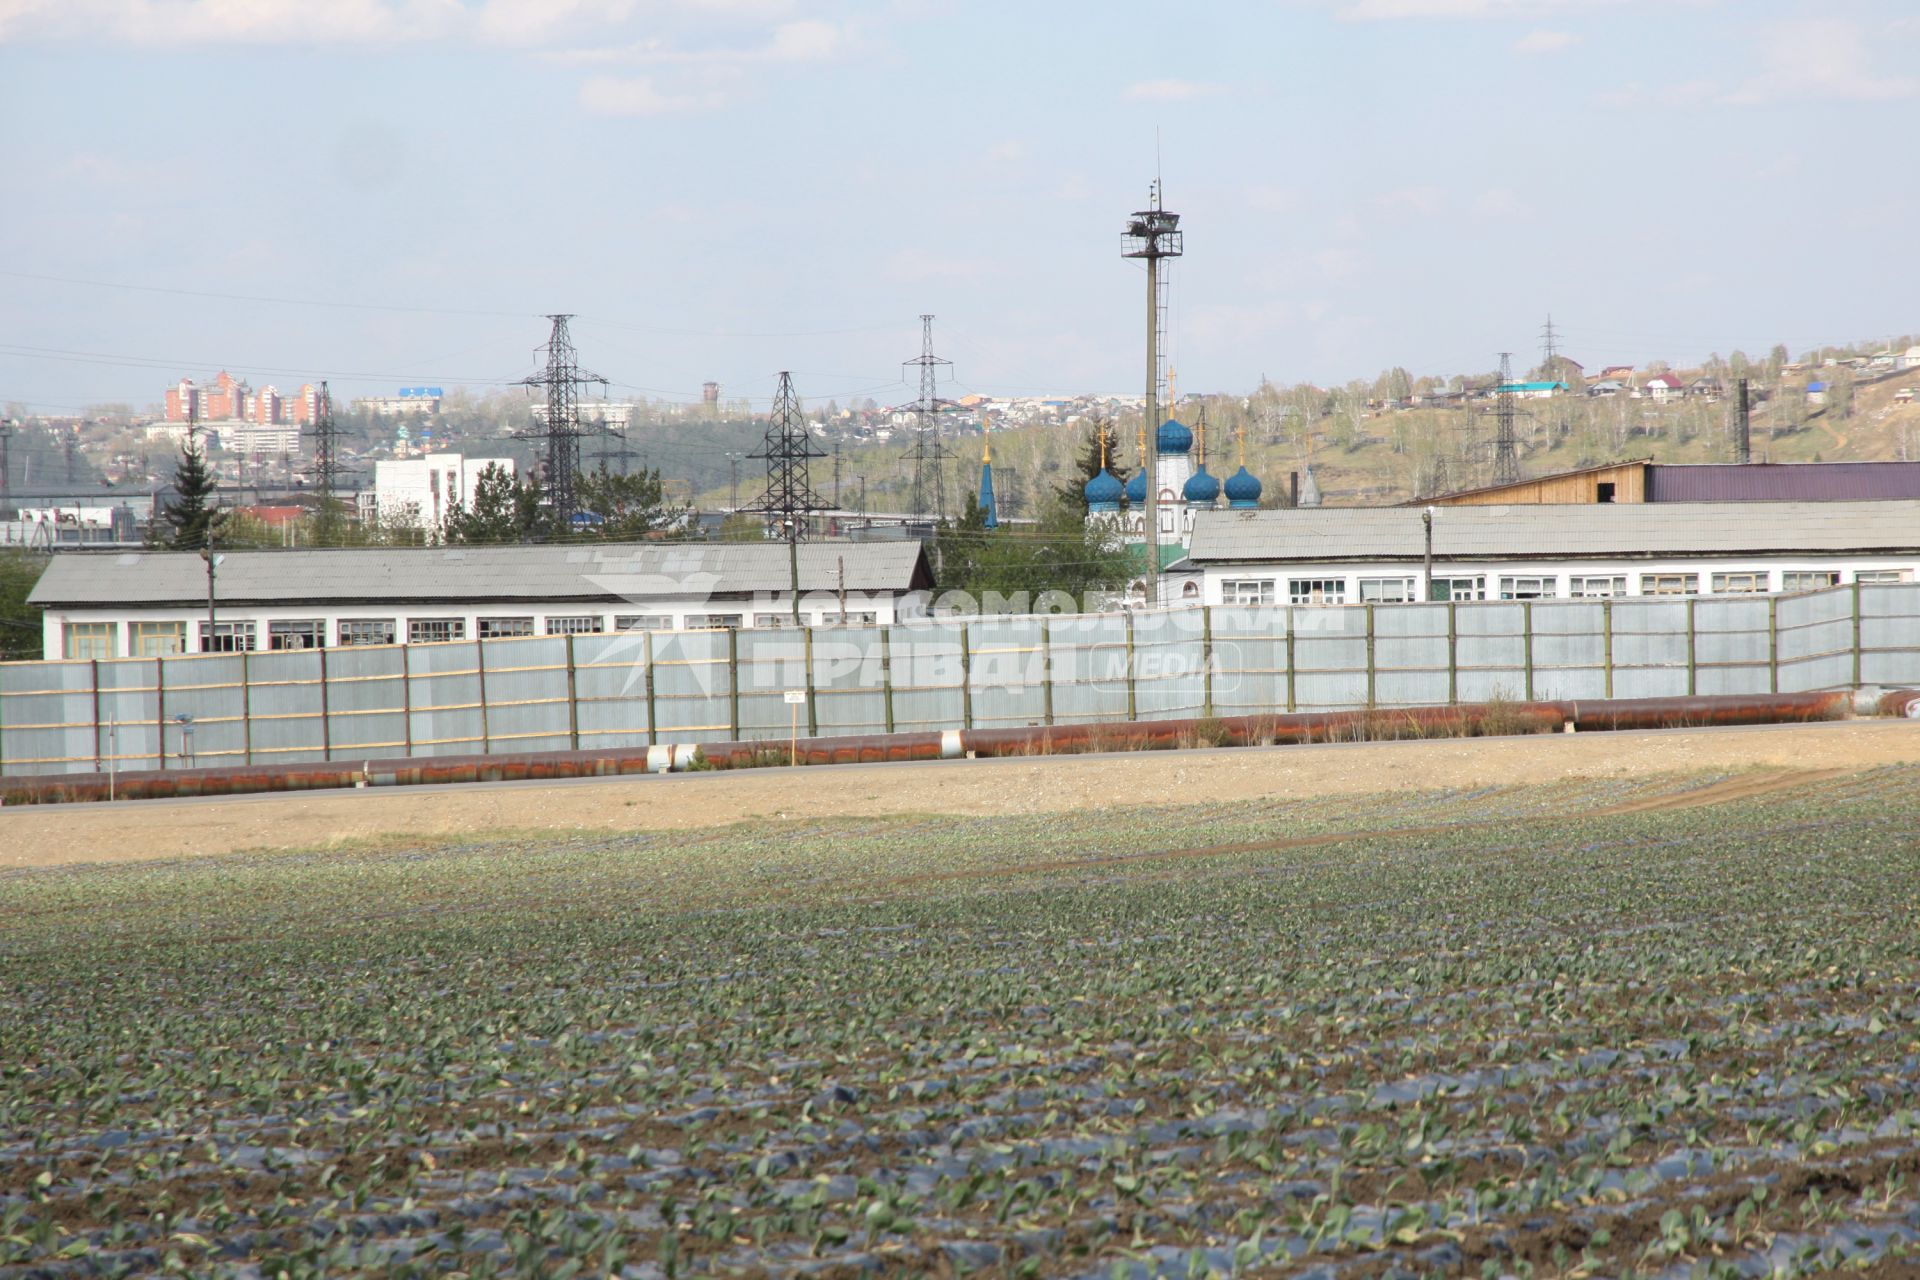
1665 1027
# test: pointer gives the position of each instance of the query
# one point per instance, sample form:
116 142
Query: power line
929 454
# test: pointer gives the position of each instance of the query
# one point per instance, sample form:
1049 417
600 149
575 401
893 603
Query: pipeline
1476 720
1900 702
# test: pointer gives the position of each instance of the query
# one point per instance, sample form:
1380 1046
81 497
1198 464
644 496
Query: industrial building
148 604
1644 480
1384 555
420 492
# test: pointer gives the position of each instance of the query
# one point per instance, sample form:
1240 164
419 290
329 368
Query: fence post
1370 662
1046 665
246 705
1773 644
1288 615
160 712
1526 641
406 699
1606 625
813 709
573 701
733 683
1856 632
326 710
1133 692
1453 652
966 676
1693 665
480 668
653 720
1206 659
886 674
94 665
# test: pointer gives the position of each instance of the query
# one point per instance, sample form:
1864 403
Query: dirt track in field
1795 755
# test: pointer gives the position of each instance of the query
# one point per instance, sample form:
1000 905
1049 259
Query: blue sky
726 188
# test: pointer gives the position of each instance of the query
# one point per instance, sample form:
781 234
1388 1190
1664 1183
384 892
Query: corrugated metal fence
643 688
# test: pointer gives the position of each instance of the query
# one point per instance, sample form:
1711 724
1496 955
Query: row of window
158 639
1402 590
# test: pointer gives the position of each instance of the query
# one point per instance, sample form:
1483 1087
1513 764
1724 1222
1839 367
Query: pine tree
193 515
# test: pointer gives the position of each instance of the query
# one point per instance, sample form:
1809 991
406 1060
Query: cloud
1633 94
1008 151
1171 90
1424 201
1818 60
1501 202
1395 10
637 96
1539 42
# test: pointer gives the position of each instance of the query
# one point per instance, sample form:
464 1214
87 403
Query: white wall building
1378 555
419 492
257 437
148 604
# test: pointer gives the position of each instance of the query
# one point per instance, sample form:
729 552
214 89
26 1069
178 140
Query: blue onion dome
1173 437
1137 488
1103 491
1243 489
1201 488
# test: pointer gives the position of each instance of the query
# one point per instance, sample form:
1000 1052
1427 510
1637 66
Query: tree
192 517
19 621
1062 552
506 508
629 506
1088 465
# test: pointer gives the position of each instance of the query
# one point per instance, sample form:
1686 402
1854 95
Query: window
1879 577
366 631
296 633
1603 491
155 639
1599 587
1473 588
582 625
1529 588
1386 590
1745 582
501 628
1669 584
696 621
227 637
857 617
643 622
1317 591
88 639
772 619
434 630
1809 579
1249 591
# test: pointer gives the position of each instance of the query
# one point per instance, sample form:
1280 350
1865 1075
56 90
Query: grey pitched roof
433 575
1627 531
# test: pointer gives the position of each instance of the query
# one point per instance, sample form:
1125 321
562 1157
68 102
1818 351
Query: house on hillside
1705 388
1534 390
1816 393
1663 387
1607 387
1617 372
1911 360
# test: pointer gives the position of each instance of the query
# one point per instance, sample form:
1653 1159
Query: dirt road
41 836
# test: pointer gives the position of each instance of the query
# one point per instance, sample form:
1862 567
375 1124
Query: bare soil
51 835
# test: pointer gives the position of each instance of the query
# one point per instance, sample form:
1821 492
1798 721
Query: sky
396 192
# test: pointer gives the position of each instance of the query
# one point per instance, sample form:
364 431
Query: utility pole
836 473
789 498
1153 235
70 452
928 451
733 481
6 484
560 435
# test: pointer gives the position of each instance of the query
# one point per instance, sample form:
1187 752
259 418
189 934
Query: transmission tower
1549 348
6 484
70 452
786 449
623 451
929 454
560 431
1506 461
326 470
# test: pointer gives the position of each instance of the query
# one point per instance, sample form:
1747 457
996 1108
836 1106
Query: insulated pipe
1324 726
1901 702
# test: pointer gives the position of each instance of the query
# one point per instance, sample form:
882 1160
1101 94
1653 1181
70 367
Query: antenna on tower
560 433
1153 235
929 454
